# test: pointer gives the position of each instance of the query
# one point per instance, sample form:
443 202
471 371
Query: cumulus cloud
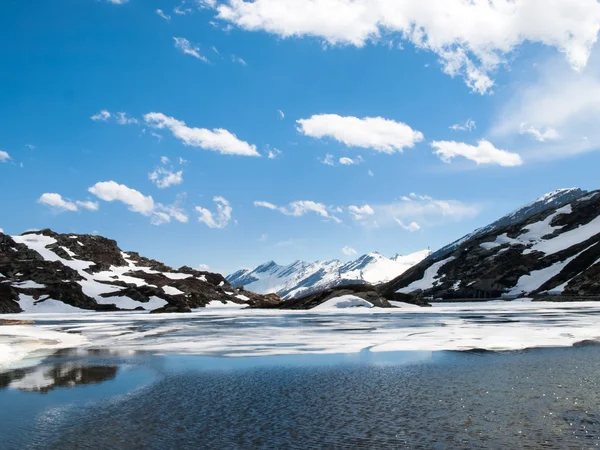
469 125
414 212
345 161
359 212
377 133
219 219
540 135
165 176
56 202
103 115
110 191
218 140
188 48
159 214
300 208
483 153
4 156
470 38
349 251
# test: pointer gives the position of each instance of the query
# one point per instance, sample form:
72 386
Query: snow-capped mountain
44 271
554 199
555 251
303 278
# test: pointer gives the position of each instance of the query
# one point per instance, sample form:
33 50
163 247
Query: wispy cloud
103 115
161 13
300 208
468 125
219 219
482 153
188 48
218 140
349 251
165 176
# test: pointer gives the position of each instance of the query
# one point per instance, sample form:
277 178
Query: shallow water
544 398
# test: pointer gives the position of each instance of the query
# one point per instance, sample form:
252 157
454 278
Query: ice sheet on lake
229 331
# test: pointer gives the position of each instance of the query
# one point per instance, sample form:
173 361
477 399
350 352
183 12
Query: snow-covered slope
554 199
302 278
45 271
553 252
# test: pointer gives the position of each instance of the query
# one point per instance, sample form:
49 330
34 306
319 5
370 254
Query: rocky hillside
554 199
301 279
44 271
555 252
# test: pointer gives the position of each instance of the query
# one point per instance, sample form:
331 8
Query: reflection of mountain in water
46 378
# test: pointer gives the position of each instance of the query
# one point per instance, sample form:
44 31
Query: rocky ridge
43 271
552 253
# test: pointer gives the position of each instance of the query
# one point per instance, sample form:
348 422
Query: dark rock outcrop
92 273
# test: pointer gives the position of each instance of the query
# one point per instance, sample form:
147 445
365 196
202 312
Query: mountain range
302 278
548 249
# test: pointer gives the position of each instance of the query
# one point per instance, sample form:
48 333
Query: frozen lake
235 332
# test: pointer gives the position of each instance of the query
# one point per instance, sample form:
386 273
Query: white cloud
156 135
483 153
557 107
182 161
237 59
220 219
117 2
328 160
4 156
110 191
300 208
219 140
370 173
164 177
349 251
164 213
263 237
281 114
89 205
122 119
412 227
469 125
188 48
159 214
540 135
345 161
471 38
1 230
164 160
103 115
359 212
203 267
273 153
56 202
161 13
423 210
377 133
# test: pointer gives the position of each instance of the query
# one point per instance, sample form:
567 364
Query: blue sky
216 132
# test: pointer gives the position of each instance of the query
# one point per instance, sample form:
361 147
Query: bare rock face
92 273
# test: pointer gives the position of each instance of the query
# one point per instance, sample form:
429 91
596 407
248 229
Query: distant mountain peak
302 278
